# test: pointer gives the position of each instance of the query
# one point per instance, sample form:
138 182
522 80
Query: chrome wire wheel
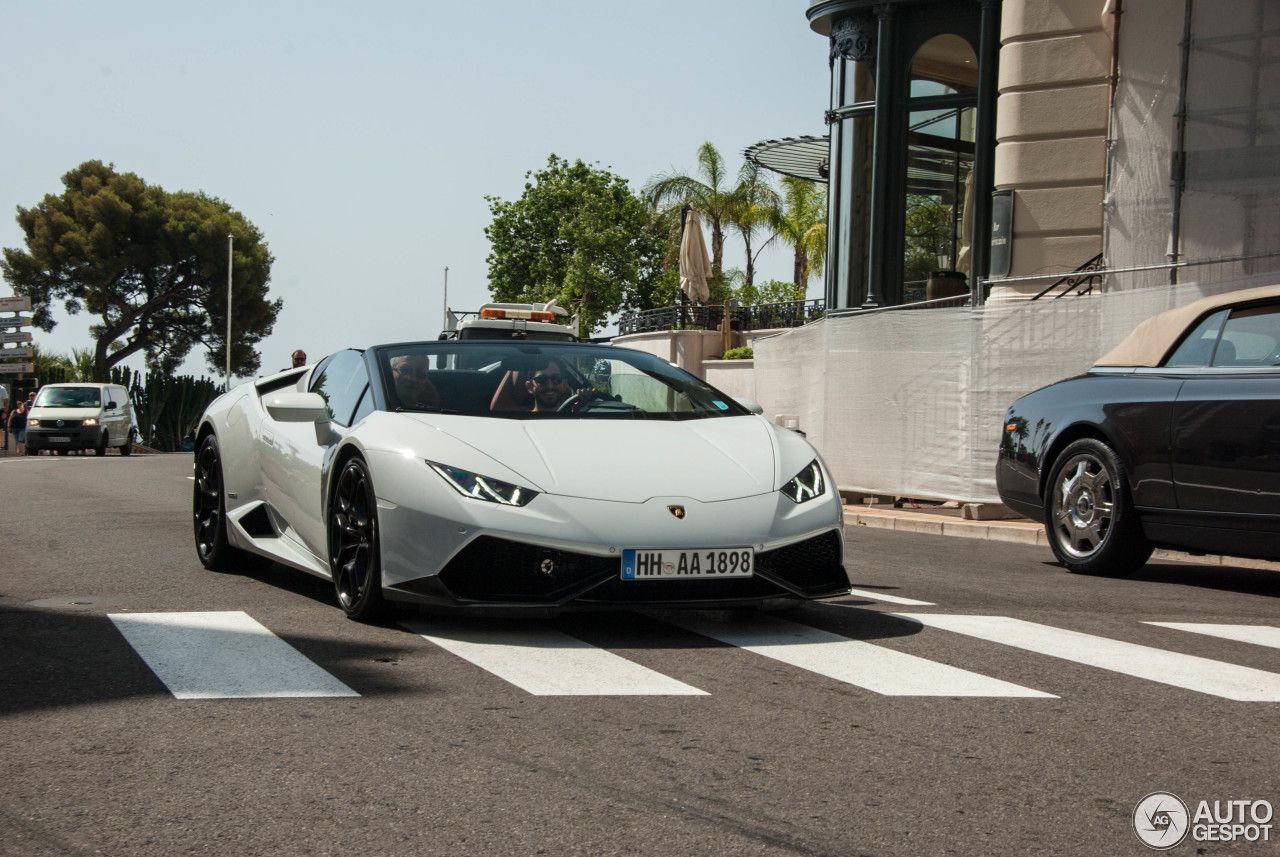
353 543
1083 505
1090 518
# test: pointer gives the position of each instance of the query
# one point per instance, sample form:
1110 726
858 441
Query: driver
550 389
413 381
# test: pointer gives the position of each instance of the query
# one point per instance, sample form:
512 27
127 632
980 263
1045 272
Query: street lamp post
230 246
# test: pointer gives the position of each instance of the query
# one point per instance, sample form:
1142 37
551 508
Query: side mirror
750 405
286 407
111 406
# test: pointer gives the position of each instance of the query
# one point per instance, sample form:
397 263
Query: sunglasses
413 373
543 380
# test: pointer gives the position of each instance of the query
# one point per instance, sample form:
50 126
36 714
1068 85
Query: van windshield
69 397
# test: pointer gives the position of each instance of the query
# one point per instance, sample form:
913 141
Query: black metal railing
1079 282
710 317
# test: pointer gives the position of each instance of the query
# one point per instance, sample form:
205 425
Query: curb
1020 531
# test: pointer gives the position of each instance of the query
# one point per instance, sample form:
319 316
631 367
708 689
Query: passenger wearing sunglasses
413 382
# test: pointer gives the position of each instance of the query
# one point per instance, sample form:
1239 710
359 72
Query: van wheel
127 449
101 449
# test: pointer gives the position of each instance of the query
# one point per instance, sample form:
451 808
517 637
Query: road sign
15 304
10 353
17 368
17 336
15 321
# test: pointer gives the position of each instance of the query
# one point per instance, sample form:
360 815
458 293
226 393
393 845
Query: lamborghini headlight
483 487
806 484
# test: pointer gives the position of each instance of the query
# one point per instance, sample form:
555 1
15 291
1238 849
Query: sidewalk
949 521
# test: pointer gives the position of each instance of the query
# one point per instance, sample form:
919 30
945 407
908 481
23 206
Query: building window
938 205
912 143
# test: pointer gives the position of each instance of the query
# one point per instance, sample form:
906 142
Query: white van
80 416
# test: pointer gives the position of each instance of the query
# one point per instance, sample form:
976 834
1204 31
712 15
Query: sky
362 139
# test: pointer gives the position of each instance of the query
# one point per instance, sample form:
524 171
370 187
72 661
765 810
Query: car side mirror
287 407
750 405
111 406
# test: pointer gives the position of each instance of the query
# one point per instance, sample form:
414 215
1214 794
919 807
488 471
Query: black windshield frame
480 365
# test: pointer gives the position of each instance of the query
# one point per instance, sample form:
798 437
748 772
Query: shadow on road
1228 578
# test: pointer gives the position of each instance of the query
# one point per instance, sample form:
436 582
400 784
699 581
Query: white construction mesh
911 403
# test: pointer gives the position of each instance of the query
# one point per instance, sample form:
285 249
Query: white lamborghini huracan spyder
514 475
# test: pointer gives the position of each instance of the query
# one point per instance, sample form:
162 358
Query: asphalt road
808 732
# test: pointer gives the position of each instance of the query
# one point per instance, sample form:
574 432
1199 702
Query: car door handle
268 438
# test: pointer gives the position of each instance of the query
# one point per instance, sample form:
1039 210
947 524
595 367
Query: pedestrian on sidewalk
17 426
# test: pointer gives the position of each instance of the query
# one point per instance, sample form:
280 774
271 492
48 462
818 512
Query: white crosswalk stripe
1217 678
889 599
1259 635
223 655
546 662
875 668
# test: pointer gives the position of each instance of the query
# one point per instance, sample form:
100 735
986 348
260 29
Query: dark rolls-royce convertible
1170 440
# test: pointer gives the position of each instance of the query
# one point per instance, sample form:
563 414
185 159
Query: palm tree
708 191
801 221
49 365
750 209
82 364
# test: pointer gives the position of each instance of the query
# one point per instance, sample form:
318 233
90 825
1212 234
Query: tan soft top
1152 339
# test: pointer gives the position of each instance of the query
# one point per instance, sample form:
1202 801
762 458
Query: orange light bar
1011 427
534 315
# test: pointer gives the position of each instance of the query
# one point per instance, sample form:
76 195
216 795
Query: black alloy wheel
354 558
208 508
1089 514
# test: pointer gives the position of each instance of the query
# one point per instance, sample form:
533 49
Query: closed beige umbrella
695 265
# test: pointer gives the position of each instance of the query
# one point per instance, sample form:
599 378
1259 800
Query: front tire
101 449
355 561
127 448
209 509
1089 514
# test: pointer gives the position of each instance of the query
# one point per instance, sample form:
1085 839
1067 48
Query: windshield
69 397
536 380
511 333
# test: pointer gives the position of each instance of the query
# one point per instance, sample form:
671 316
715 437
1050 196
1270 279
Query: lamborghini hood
629 461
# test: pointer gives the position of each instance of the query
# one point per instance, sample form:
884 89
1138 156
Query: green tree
150 264
800 220
928 236
772 292
49 365
578 234
751 205
82 364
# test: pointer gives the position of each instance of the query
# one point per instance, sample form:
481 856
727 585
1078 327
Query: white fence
912 403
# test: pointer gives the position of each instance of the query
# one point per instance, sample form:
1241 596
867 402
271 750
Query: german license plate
682 565
58 438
